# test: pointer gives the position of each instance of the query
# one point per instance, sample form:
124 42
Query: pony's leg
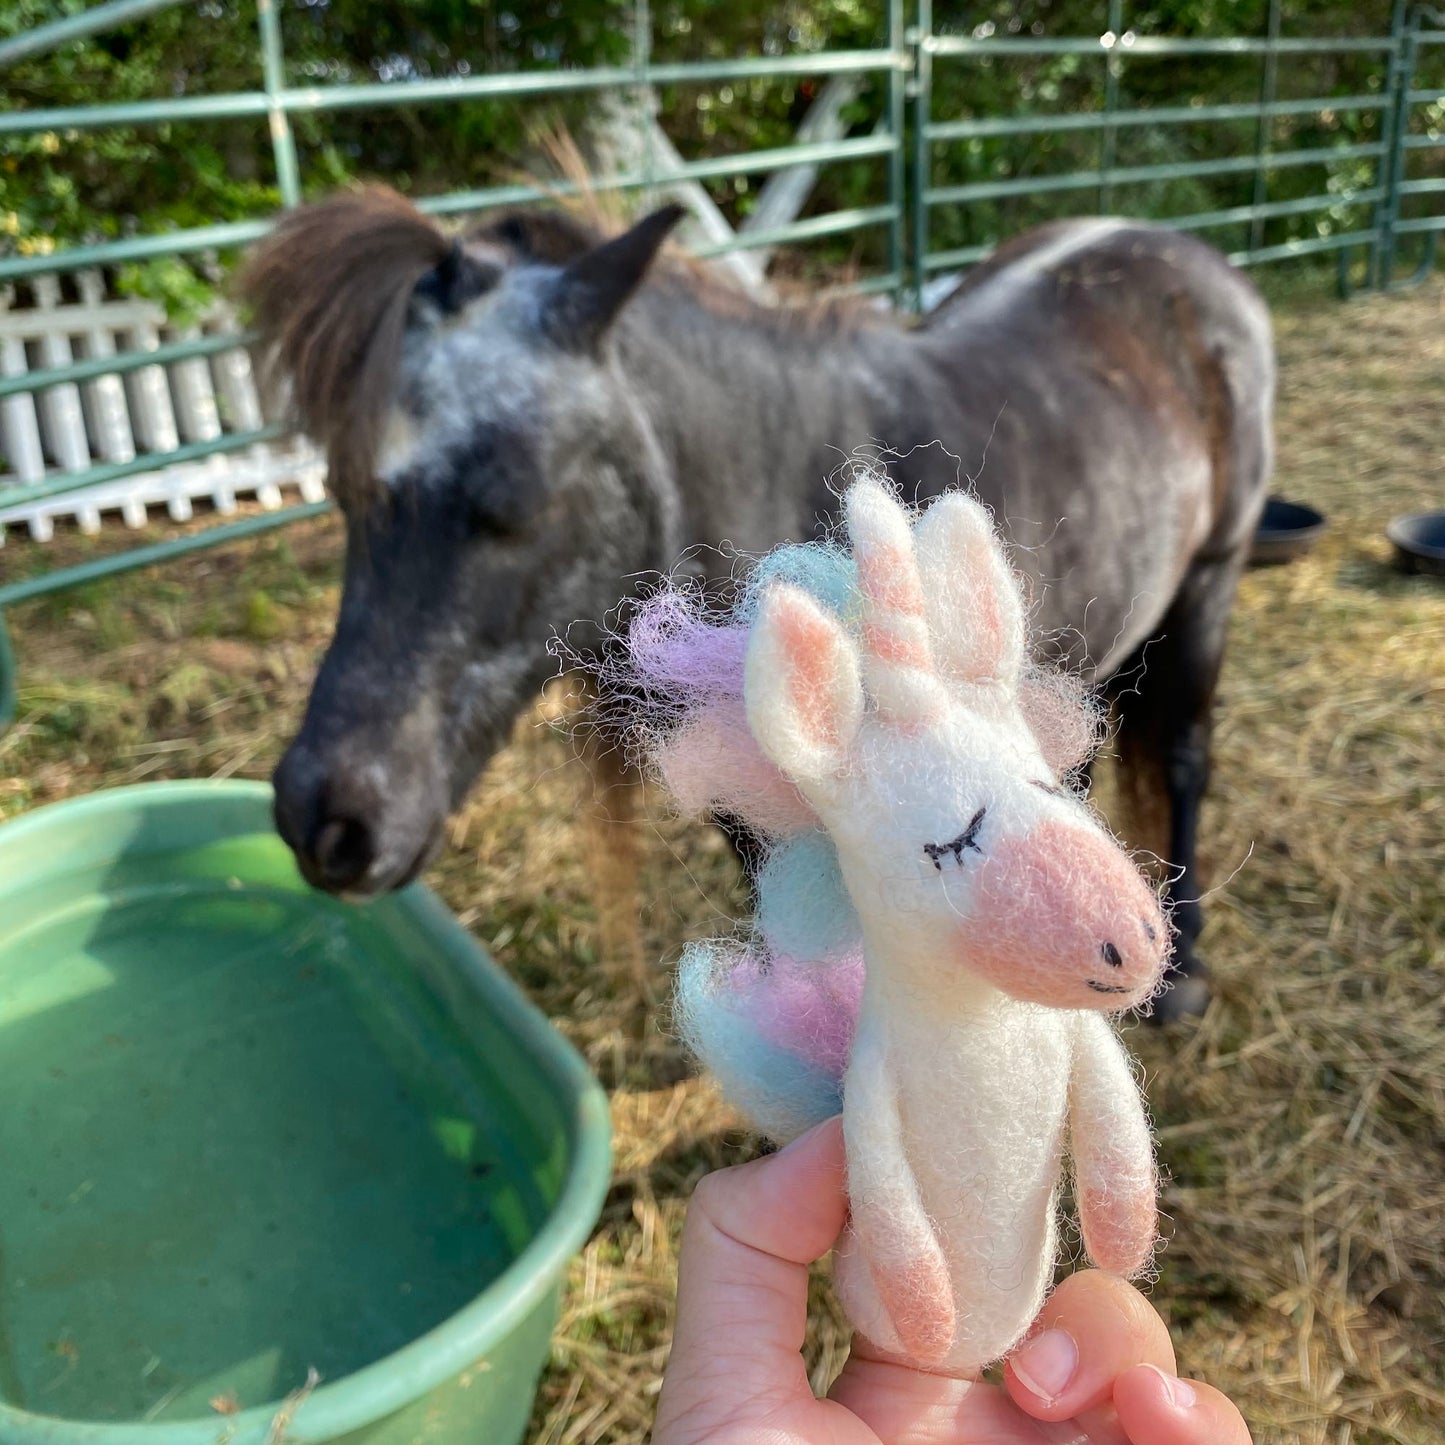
1163 702
615 817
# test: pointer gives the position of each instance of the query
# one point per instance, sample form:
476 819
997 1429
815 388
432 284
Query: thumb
742 1292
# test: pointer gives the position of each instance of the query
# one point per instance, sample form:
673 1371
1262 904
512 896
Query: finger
742 1295
1093 1327
1156 1408
907 1406
1091 1330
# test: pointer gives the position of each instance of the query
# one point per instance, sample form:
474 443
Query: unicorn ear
802 687
975 614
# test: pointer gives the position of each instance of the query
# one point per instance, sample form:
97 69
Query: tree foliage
66 186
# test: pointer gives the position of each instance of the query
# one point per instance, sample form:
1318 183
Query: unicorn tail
776 1034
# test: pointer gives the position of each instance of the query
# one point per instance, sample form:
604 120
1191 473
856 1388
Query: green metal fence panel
130 560
60 483
979 177
1153 116
94 21
1133 175
1418 142
31 381
1127 44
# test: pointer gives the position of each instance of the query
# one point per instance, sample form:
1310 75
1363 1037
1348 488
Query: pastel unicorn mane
771 1010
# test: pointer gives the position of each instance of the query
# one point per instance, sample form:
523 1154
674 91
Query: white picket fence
155 409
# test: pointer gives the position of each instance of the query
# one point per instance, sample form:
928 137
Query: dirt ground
1301 1123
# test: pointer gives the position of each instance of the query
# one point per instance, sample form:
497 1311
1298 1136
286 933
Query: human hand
1097 1370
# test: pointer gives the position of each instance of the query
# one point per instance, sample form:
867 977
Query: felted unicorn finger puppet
943 927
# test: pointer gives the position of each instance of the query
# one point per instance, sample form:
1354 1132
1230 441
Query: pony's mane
559 235
551 237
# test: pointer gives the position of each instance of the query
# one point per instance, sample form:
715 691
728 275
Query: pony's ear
975 613
592 290
457 278
802 687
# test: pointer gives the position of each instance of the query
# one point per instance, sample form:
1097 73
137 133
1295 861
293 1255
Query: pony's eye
1051 789
966 839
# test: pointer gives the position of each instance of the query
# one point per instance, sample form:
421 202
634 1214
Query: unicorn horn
898 665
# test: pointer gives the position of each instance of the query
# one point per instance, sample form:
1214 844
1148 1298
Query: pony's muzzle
338 823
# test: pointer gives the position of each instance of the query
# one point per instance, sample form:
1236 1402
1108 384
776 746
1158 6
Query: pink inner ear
984 620
809 641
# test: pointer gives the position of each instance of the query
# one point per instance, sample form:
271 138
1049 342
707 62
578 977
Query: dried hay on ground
1302 1124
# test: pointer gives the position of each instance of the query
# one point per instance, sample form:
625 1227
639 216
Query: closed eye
1050 788
966 839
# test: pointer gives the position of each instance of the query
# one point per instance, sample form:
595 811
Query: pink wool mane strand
691 726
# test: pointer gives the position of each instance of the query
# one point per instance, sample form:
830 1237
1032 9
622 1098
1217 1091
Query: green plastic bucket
248 1133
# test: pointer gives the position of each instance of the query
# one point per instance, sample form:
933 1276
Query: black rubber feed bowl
1286 530
1419 542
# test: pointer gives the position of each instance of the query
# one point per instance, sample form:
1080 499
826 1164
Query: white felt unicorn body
998 923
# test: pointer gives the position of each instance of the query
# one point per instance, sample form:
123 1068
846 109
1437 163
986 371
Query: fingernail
1180 1392
1046 1364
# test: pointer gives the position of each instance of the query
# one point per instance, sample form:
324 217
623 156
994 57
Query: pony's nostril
1150 932
343 852
1111 955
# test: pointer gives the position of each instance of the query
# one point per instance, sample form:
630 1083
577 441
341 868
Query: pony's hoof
1186 997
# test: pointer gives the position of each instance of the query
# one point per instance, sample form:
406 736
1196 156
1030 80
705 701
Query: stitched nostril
1149 931
1111 955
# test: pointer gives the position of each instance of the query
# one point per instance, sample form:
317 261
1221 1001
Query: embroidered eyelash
966 839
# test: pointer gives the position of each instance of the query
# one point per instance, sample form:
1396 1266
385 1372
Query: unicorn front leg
891 1239
1114 1176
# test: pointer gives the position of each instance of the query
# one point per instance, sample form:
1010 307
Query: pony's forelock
329 291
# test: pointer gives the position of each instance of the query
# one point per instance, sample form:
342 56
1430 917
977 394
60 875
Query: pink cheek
999 943
1018 927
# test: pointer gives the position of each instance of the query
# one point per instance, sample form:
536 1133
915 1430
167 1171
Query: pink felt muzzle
1063 917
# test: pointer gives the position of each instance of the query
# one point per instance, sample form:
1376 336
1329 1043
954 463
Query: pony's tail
774 1032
